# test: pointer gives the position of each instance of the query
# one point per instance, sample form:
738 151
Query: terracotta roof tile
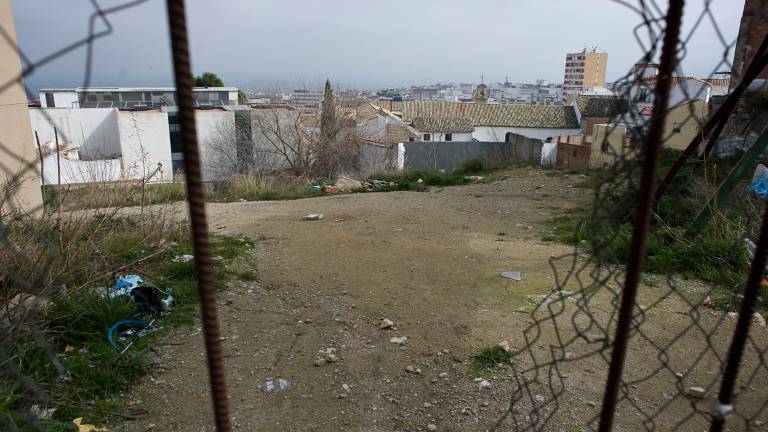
502 115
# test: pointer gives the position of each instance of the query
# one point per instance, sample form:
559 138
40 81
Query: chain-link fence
641 255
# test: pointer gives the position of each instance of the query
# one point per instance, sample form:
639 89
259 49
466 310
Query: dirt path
429 261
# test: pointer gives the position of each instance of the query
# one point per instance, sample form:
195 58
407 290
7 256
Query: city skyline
357 47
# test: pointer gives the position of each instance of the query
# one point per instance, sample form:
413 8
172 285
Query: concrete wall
94 130
451 155
17 150
146 145
754 26
494 133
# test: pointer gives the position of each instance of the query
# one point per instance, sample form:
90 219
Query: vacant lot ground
430 262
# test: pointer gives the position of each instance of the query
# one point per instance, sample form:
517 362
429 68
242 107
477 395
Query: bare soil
430 262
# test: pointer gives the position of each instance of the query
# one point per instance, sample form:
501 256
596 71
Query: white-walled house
132 97
493 122
444 129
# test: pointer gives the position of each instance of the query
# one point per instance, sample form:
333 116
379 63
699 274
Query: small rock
591 403
331 358
482 383
431 427
400 340
319 362
386 324
697 392
443 375
412 369
484 404
427 405
539 398
314 216
346 388
504 345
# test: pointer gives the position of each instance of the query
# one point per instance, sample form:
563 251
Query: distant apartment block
303 98
132 97
583 70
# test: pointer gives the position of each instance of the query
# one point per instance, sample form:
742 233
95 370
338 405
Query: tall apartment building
583 70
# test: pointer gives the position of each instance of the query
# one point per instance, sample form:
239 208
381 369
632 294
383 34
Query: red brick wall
572 156
754 25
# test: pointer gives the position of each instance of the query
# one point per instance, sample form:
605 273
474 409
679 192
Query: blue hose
111 332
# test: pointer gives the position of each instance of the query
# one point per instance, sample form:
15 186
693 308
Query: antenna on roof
482 78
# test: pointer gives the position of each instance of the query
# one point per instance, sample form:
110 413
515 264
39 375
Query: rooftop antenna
482 78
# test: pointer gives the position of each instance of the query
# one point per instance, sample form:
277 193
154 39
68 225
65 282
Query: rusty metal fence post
195 196
645 200
722 407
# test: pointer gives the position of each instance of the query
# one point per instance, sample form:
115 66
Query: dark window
677 127
174 133
427 137
49 100
449 137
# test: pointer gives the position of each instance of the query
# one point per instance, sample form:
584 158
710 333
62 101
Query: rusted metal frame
716 123
195 196
723 406
645 199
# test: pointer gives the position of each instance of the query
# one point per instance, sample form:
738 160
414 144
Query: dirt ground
428 261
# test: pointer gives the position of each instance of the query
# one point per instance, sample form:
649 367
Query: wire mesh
682 323
684 316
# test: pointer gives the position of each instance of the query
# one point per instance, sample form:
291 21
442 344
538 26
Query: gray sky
357 43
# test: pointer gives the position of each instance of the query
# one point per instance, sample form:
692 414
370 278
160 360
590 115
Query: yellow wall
17 151
595 64
608 143
690 117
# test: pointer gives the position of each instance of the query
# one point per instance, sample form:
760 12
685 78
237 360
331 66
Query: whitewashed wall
495 133
457 136
214 129
93 130
549 154
79 171
146 144
61 100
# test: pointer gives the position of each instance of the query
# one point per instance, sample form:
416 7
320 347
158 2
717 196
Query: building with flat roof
132 97
583 70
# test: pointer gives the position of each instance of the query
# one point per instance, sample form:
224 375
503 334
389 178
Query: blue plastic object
760 187
137 324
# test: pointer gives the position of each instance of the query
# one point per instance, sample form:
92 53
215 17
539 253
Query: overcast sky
356 43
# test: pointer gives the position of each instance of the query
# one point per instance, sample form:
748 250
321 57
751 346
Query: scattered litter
85 427
431 427
759 183
376 185
346 388
329 190
546 299
83 350
482 383
347 183
504 345
339 220
183 258
474 178
514 275
42 413
124 285
400 340
386 324
242 200
697 392
276 385
314 187
314 216
124 333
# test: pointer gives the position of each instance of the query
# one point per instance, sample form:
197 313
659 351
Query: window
411 139
449 137
427 137
677 127
49 102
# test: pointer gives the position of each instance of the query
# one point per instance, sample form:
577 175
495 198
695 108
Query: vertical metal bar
42 169
725 397
645 199
195 195
715 124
